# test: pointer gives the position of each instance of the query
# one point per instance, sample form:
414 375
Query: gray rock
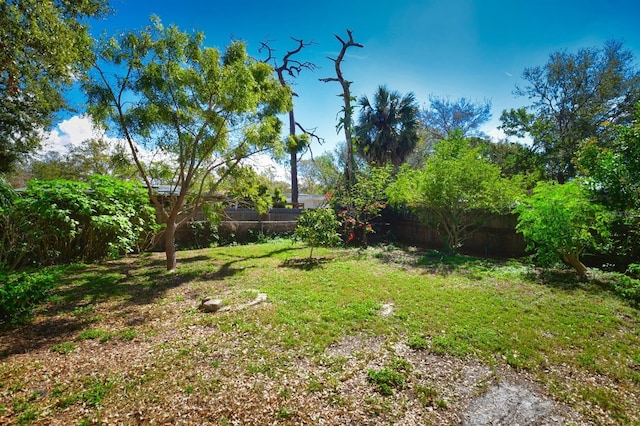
211 305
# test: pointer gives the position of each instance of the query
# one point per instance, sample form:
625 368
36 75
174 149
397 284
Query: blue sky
476 49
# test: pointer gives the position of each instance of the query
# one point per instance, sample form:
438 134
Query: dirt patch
460 391
511 404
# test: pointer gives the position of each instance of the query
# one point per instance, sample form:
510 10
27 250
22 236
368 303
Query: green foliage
244 187
7 232
64 348
278 199
514 159
362 204
628 288
205 109
62 221
38 35
21 293
387 378
387 129
611 175
455 190
320 174
560 222
317 227
297 143
92 157
95 390
575 96
417 343
611 172
442 118
205 234
7 194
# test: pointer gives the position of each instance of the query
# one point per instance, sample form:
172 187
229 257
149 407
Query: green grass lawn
124 342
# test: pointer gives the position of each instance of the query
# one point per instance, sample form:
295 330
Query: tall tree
44 47
162 88
347 119
295 144
444 116
387 129
612 175
320 174
575 96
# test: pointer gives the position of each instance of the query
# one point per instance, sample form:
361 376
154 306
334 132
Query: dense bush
627 285
560 222
21 293
455 191
61 221
628 288
317 227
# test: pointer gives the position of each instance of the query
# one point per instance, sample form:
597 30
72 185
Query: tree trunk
170 245
294 178
347 136
294 161
573 260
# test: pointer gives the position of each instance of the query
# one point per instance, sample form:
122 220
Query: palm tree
387 130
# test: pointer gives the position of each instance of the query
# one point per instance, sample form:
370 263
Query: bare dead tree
292 67
346 121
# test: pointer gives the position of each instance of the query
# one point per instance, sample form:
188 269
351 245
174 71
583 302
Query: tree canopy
575 96
80 162
387 129
44 47
161 88
560 222
444 116
455 190
612 175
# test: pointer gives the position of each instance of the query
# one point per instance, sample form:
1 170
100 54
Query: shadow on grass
567 280
441 263
85 293
438 262
306 264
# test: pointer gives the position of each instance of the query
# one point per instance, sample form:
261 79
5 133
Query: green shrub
628 288
61 221
317 227
22 292
633 270
560 222
362 204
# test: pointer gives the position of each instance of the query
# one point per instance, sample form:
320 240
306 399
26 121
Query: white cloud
70 132
496 134
77 129
265 165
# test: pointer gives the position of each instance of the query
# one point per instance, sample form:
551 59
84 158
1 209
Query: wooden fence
496 237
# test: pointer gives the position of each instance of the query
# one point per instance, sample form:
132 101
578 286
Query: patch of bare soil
461 392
